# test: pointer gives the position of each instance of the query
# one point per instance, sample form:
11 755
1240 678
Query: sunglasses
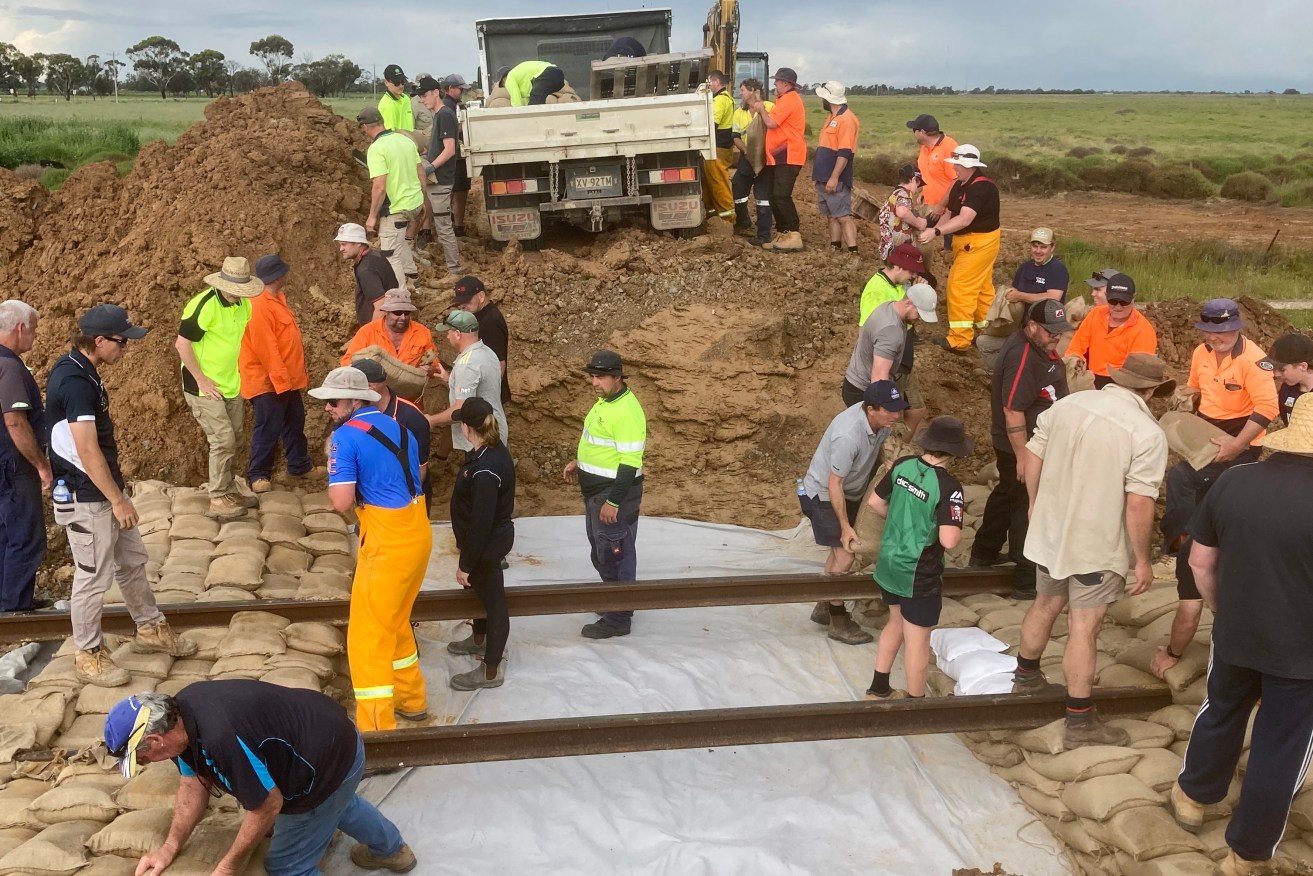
1216 320
1112 303
122 342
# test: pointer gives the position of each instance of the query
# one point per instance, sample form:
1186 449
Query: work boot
600 629
401 862
844 629
96 667
745 231
1087 729
978 563
821 614
421 715
1234 865
244 500
160 638
467 646
477 678
318 471
261 485
1188 813
895 694
1029 682
226 508
787 241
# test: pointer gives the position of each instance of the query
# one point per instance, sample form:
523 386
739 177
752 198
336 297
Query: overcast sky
1102 44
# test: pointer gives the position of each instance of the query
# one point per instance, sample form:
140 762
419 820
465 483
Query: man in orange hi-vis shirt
271 364
786 153
396 332
1111 332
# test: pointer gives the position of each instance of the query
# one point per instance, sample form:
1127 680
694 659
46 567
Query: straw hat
235 278
1298 436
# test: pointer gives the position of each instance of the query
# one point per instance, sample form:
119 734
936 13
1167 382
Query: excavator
721 35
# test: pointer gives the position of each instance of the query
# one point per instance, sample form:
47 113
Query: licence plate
594 182
589 183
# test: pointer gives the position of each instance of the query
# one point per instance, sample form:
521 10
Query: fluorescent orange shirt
938 176
791 116
1238 388
272 358
1102 347
417 341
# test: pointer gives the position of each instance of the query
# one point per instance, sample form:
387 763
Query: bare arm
93 460
958 222
1015 423
1139 526
343 496
20 432
878 505
1032 297
846 532
187 354
255 825
188 810
443 418
377 191
910 218
1034 465
950 537
1204 561
448 151
881 368
1230 448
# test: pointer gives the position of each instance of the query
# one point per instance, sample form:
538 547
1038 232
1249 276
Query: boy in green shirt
923 505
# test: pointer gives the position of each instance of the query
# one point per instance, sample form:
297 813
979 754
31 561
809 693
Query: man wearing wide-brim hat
1095 465
1251 559
374 467
209 344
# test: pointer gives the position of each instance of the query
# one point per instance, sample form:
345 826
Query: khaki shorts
910 389
1081 591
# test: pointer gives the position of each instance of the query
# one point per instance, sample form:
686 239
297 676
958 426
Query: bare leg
916 657
849 229
839 562
891 639
912 418
1038 624
1082 646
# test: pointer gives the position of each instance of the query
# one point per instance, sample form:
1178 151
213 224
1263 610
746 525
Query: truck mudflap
515 223
678 211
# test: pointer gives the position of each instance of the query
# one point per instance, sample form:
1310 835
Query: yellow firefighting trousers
970 285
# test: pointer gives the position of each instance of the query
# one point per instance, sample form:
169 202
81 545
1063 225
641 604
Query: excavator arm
721 35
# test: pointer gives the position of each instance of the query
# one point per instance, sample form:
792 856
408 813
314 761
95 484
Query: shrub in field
1119 149
877 169
1129 177
1298 195
1142 152
29 171
1218 169
1178 181
1083 151
1281 173
1031 177
1247 186
71 143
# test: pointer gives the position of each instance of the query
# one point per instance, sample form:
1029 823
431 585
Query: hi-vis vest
615 432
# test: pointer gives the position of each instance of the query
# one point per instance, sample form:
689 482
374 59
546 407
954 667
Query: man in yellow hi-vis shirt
715 183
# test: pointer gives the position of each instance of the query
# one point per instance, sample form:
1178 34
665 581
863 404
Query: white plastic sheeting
876 806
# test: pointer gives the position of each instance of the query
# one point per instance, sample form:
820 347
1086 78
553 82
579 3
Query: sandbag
292 677
1144 734
1079 377
133 833
315 638
1119 675
1084 763
1138 656
317 503
226 593
498 97
154 665
1042 803
212 839
1191 437
243 544
207 641
1074 834
257 620
1144 833
1158 769
182 582
1195 694
15 798
248 666
324 522
1137 611
1183 864
1043 740
114 865
997 754
41 708
19 836
92 774
320 666
190 502
187 564
953 615
238 529
950 644
278 587
155 786
407 381
1024 774
281 502
983 603
1003 316
96 700
1177 718
59 850
199 546
74 802
324 585
869 526
266 642
1301 812
193 526
1102 797
1003 617
235 570
334 563
1192 665
285 559
172 686
321 543
281 528
970 670
86 730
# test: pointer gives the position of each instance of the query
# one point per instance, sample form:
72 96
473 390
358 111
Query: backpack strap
402 453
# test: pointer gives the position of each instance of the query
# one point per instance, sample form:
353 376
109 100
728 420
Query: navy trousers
747 182
22 534
612 545
1278 753
1186 489
279 417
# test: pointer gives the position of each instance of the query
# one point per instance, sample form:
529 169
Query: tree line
160 65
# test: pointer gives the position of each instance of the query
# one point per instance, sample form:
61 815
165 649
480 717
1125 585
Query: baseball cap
397 301
372 370
1051 315
369 116
885 394
454 80
924 297
467 287
1121 288
394 74
924 122
606 363
1042 235
1219 315
1291 348
109 319
125 728
1099 279
908 257
503 72
425 84
473 410
460 321
351 232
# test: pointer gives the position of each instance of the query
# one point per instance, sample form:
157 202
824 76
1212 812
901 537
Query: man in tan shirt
1095 466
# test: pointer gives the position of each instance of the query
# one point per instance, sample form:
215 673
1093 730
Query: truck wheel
690 233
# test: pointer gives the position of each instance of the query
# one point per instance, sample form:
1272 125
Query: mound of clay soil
20 199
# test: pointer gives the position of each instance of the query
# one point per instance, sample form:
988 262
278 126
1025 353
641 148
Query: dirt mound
20 199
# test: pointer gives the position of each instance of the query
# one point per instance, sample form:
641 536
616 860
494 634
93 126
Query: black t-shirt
19 394
1031 277
445 126
374 276
482 504
1257 515
246 737
75 394
1286 397
1025 379
980 194
494 333
413 419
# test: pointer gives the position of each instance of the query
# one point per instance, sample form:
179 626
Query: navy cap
372 370
1219 315
104 320
426 84
885 394
271 267
924 122
125 728
394 74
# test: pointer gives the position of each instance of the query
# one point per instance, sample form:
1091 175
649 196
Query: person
1251 559
934 148
1028 378
609 470
443 154
397 333
625 47
397 191
475 373
923 506
884 351
972 218
100 520
1292 362
453 93
290 757
472 296
749 175
273 376
715 171
898 217
421 114
408 414
832 167
1113 330
373 272
209 343
373 467
786 153
482 504
1237 394
832 490
1044 276
904 265
1098 283
24 469
394 105
530 83
1094 465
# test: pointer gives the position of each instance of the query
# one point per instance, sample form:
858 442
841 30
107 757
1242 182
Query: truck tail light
515 187
672 175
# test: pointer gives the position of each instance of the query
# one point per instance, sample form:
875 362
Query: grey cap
369 116
454 80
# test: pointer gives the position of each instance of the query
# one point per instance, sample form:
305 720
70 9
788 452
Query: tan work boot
844 629
402 862
1087 729
244 500
226 508
261 485
319 471
96 667
1189 814
1234 865
788 241
159 638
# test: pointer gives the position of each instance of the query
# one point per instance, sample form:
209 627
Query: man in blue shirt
1044 276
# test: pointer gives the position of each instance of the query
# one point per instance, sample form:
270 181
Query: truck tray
673 73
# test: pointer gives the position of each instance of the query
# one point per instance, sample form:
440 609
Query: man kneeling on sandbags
835 484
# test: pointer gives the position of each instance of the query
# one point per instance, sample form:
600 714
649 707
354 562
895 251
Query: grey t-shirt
477 371
883 334
849 449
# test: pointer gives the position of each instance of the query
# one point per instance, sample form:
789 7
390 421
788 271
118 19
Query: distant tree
1291 91
30 69
327 76
275 52
183 84
8 55
246 79
158 60
113 67
91 68
208 71
230 68
64 74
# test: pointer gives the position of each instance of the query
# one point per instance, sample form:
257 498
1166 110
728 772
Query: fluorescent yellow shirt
519 82
394 156
397 113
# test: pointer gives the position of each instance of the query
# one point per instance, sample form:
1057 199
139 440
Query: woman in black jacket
482 503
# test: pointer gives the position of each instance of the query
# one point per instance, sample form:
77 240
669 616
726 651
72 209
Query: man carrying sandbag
1236 393
396 333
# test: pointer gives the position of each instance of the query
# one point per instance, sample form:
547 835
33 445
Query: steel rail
710 728
524 601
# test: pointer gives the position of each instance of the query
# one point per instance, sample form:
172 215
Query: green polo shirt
215 327
394 156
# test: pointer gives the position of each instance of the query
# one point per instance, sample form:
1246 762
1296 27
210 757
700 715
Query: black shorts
825 526
922 611
462 183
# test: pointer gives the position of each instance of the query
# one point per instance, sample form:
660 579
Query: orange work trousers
716 191
970 285
380 644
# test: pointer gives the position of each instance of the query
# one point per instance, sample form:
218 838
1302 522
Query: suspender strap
402 453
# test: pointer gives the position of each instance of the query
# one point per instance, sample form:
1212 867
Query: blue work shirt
356 457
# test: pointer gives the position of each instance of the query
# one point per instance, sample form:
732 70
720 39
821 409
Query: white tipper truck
594 162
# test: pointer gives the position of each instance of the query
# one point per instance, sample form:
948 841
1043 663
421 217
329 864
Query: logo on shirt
1049 393
332 457
912 488
1266 365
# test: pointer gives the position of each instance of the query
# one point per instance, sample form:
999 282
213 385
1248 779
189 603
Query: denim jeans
300 840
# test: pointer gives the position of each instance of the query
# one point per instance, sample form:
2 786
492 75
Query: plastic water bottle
61 494
802 491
